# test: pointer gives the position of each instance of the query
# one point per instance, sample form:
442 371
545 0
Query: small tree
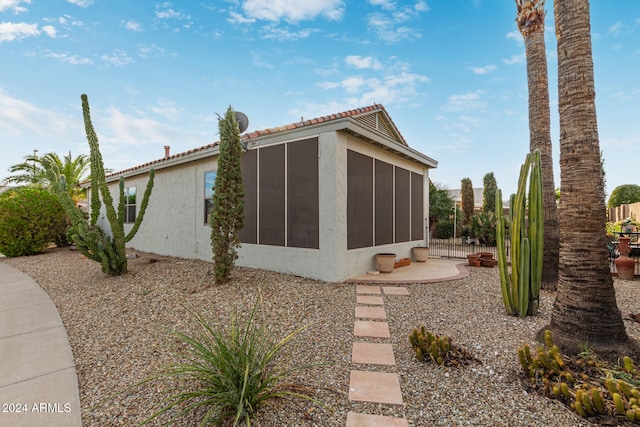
624 194
227 214
467 202
489 193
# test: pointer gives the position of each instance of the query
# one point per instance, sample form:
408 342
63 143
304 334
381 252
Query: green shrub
30 220
444 229
227 372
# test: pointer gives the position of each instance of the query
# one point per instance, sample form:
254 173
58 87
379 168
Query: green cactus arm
536 227
507 299
525 265
516 230
143 207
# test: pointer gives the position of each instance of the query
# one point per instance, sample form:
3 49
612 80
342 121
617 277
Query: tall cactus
90 239
521 288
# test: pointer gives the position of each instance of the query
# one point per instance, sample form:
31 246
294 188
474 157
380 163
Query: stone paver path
370 386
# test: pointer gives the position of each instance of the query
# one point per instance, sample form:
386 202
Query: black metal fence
461 246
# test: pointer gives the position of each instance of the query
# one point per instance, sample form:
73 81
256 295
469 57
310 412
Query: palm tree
585 310
530 19
33 172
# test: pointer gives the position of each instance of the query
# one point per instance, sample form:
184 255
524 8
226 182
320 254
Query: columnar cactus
90 239
521 287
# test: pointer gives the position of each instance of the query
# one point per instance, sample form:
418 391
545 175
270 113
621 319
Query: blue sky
451 73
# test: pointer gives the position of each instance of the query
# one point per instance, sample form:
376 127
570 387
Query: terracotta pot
385 262
402 262
475 263
420 253
485 255
625 267
488 262
473 257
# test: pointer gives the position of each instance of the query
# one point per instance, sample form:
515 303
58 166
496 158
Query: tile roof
270 131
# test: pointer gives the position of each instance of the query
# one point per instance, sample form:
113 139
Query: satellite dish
243 121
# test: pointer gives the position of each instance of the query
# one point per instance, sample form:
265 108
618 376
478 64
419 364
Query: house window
209 182
130 204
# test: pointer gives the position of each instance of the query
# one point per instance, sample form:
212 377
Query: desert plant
490 187
227 215
466 200
227 372
585 383
30 220
90 239
521 287
438 349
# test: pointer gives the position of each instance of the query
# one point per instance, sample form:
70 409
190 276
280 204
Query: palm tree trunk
531 24
585 309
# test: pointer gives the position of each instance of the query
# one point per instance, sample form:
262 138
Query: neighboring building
622 212
322 197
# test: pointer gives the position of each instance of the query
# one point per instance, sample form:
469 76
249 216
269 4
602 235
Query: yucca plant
227 373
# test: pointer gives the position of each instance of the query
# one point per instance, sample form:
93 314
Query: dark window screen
302 194
403 208
359 200
272 209
417 206
249 165
384 203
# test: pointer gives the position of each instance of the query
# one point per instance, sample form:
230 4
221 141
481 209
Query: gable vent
376 122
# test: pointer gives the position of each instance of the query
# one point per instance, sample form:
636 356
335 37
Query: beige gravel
117 329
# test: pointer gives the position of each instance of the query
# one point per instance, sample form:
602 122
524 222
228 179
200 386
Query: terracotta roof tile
259 133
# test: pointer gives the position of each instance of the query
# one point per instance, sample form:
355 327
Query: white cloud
166 11
362 62
483 70
22 118
615 29
515 59
49 30
150 51
516 36
135 130
117 57
465 102
132 25
258 61
274 33
70 59
13 5
293 10
10 31
390 24
166 109
81 3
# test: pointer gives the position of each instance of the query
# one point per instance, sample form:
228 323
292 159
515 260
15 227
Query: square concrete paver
395 290
372 353
363 312
363 289
369 299
364 328
376 387
366 420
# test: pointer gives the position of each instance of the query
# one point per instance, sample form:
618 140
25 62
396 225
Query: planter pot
475 263
385 262
472 258
625 267
420 253
488 262
485 255
402 262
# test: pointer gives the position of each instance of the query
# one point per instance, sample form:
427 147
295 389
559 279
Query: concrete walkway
38 383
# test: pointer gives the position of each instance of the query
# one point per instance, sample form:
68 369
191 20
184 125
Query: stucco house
323 196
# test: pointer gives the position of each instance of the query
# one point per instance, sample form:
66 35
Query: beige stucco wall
174 221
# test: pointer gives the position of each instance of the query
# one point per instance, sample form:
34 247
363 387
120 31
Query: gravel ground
117 328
